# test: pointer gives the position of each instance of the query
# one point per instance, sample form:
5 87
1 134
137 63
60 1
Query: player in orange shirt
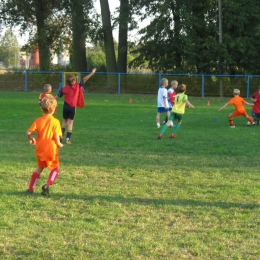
47 143
238 102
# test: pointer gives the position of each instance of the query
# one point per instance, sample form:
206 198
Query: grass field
123 194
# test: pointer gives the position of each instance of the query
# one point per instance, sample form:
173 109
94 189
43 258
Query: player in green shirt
181 101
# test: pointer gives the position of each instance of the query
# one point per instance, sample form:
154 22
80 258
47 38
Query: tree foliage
183 36
9 49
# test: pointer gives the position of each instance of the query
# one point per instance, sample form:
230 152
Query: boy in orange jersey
238 102
47 144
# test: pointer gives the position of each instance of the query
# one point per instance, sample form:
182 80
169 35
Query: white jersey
162 94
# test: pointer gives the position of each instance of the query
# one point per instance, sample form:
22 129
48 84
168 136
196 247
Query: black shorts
68 111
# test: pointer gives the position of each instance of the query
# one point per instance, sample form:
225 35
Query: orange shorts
239 113
48 164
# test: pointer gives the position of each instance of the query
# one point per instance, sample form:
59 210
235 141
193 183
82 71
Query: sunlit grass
123 194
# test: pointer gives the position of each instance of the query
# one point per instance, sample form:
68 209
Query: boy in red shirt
71 92
47 144
238 102
256 108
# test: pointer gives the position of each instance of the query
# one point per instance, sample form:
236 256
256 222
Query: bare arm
57 139
165 101
32 140
250 104
89 75
188 104
223 106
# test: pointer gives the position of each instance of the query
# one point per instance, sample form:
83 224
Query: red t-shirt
72 94
256 107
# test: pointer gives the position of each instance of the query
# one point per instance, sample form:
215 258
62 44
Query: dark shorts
176 116
255 115
68 111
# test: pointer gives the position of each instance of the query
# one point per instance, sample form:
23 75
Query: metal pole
220 41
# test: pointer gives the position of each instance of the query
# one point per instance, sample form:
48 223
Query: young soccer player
47 89
46 92
238 102
171 96
71 92
47 144
162 102
256 107
180 102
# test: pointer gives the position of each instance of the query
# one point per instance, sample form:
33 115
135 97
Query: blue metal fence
198 84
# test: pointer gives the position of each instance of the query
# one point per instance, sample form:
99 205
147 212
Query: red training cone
130 100
208 104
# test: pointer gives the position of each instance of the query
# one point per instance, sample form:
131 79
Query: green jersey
180 103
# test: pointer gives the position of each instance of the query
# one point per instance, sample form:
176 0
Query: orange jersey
47 127
238 104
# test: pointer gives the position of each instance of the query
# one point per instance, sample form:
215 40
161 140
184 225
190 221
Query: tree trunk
123 31
44 51
108 37
79 60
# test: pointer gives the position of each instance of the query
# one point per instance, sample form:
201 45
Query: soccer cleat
232 126
29 191
45 190
173 136
68 142
159 136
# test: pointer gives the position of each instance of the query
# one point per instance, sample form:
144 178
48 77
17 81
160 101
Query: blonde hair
236 91
47 87
48 105
163 81
174 82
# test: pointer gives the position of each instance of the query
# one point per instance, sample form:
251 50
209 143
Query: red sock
34 178
53 176
230 119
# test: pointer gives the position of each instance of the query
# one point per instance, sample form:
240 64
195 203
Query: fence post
159 80
202 85
25 81
118 82
248 87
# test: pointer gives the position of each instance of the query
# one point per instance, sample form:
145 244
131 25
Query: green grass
123 194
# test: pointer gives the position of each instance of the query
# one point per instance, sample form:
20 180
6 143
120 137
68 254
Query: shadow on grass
142 201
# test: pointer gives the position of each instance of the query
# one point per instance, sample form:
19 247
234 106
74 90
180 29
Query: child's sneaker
173 136
29 191
159 136
232 126
45 190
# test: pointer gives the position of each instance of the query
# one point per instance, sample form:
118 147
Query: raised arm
89 75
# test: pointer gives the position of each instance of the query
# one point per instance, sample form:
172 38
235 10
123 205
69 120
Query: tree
241 25
122 38
108 36
54 21
32 13
9 49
